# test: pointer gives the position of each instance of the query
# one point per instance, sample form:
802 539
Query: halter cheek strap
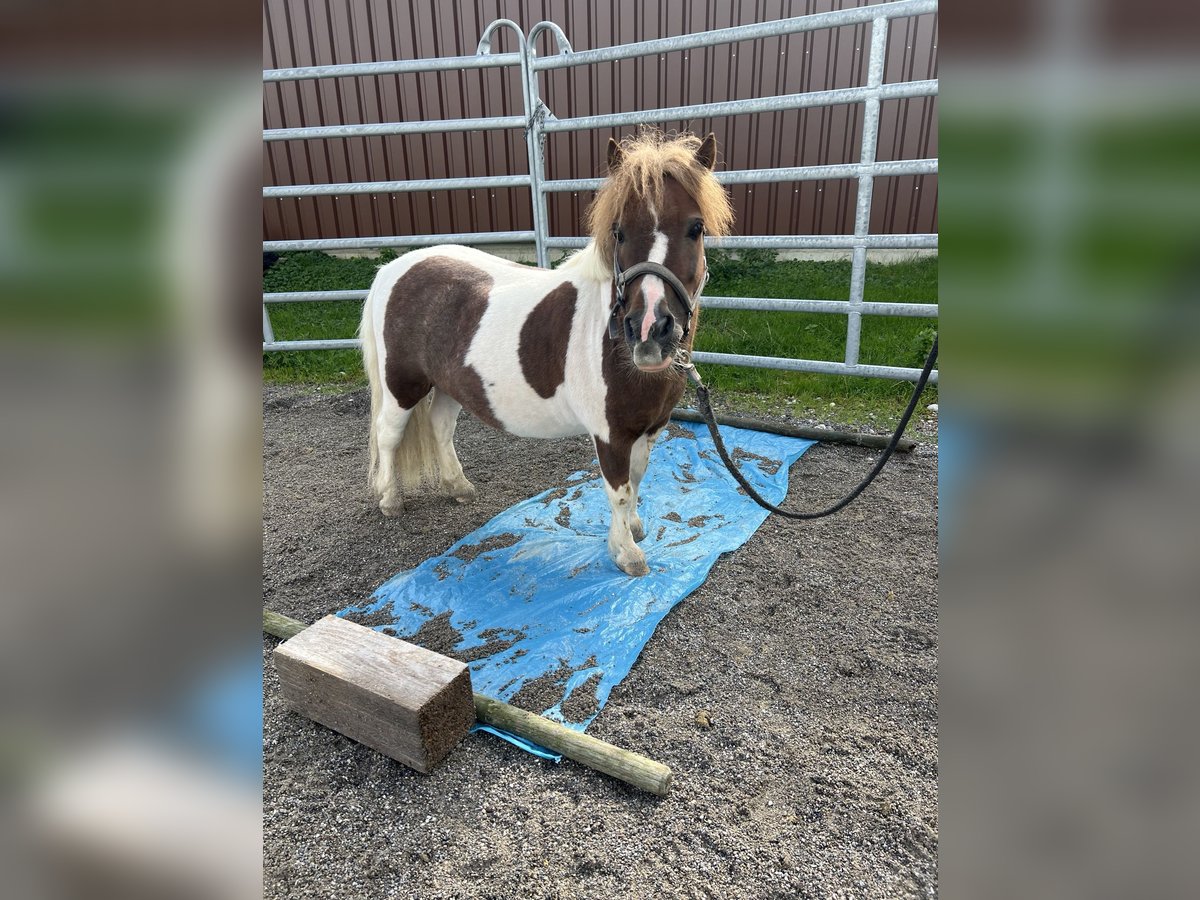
623 277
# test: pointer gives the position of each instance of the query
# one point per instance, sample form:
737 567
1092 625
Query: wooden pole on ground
632 768
874 441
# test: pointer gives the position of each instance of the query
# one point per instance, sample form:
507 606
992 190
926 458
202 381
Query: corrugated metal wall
319 32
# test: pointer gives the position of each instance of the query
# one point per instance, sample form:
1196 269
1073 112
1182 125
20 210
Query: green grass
314 271
885 341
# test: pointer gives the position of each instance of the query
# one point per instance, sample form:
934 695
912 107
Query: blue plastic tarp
532 599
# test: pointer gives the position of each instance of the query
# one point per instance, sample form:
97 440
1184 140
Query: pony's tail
417 460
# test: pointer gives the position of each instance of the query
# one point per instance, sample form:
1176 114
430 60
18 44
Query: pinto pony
592 347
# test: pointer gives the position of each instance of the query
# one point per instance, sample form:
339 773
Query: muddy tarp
532 601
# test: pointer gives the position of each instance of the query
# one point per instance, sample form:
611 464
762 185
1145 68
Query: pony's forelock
646 159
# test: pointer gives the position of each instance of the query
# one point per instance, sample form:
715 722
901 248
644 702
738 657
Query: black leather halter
622 279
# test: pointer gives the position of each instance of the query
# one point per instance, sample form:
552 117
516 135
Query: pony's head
656 205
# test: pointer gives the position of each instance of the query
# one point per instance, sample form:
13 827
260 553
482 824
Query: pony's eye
619 234
696 230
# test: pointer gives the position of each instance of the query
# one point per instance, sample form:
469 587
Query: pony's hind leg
389 432
443 416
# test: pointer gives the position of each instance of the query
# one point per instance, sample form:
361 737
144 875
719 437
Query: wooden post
281 626
874 441
632 768
407 702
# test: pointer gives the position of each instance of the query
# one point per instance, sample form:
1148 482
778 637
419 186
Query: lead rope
705 405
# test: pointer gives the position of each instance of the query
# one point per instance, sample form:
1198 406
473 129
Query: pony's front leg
639 457
622 499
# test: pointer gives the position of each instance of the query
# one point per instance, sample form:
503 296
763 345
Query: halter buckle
614 321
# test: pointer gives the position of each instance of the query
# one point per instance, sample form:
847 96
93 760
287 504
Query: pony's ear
615 155
707 154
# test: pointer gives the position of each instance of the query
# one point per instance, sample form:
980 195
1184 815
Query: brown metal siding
319 32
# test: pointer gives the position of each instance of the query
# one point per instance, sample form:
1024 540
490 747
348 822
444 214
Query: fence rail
537 122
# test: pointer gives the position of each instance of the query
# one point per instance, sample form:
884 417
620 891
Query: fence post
537 137
866 183
532 121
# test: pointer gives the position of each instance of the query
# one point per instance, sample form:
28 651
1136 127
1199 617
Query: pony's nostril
664 327
630 333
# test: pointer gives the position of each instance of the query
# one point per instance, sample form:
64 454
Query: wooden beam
874 441
283 627
407 702
632 768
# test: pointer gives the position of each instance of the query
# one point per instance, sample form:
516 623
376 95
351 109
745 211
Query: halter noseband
623 277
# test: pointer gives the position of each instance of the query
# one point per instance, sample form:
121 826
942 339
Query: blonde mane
646 160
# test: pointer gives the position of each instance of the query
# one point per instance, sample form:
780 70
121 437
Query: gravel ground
794 695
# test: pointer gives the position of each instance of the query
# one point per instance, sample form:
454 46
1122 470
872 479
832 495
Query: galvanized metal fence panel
301 33
538 121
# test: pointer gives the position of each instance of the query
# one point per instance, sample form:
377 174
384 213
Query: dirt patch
443 570
564 515
546 690
381 616
279 402
699 521
813 649
436 634
673 517
662 529
356 403
582 704
855 664
765 465
575 571
497 640
556 494
469 552
678 431
685 476
694 537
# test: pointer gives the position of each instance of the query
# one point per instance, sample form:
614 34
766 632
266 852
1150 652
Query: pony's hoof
392 507
634 565
462 493
637 568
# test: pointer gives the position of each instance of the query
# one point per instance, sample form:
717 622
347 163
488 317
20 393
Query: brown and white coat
528 350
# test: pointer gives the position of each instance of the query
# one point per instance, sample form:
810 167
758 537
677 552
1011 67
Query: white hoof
462 491
391 505
632 562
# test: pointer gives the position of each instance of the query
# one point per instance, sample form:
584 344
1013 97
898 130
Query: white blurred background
130 697
1070 421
